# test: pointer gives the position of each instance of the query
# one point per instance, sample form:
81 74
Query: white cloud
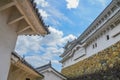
35 60
56 38
55 61
39 50
51 14
42 3
56 16
72 3
28 43
43 13
102 2
40 61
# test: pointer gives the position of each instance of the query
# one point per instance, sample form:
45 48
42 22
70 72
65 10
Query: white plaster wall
102 43
50 76
76 55
7 43
79 53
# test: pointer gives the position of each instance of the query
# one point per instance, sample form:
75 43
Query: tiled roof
72 45
39 16
39 69
44 67
26 63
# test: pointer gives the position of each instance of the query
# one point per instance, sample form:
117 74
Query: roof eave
27 64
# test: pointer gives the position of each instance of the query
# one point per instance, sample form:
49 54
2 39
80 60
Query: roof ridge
49 64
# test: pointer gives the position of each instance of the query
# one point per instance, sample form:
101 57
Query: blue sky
67 20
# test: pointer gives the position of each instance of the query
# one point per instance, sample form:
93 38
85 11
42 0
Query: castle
102 33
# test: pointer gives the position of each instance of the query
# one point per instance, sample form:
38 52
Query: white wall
79 53
49 75
7 43
74 58
102 43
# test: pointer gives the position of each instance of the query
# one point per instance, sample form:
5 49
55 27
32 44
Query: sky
67 20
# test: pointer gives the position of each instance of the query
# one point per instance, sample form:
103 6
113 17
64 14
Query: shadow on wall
109 74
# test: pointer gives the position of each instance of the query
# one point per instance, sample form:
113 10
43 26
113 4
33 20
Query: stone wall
103 65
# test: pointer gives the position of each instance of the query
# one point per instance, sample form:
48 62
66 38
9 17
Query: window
117 22
95 44
104 31
101 34
97 24
102 19
78 48
100 22
108 37
112 26
113 8
109 13
118 3
105 16
27 78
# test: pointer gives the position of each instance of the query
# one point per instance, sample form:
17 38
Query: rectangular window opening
95 44
108 37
